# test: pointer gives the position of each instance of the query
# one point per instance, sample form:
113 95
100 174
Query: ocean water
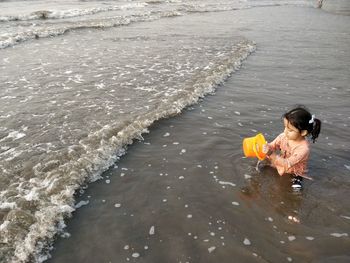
82 80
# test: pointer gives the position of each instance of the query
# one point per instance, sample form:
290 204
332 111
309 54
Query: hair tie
312 119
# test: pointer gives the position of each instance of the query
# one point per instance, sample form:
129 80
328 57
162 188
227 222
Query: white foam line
69 13
227 183
9 40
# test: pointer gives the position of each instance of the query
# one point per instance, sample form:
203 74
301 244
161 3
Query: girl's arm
284 164
274 145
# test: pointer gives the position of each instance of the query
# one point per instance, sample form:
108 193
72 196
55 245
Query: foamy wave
11 39
60 14
53 187
43 30
230 6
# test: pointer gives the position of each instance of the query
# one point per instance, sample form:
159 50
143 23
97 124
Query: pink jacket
290 160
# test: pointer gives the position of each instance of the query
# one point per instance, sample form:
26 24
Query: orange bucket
253 146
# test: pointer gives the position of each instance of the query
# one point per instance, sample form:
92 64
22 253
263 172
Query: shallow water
187 181
70 103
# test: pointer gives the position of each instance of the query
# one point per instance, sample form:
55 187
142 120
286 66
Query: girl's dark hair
302 119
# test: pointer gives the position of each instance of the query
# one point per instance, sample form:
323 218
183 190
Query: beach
128 146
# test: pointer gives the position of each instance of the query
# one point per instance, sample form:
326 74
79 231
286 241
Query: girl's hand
272 156
266 149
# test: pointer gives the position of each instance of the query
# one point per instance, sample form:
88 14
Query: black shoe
296 184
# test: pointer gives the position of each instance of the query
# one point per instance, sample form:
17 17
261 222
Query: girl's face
291 132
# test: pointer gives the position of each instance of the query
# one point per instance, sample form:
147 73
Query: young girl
289 152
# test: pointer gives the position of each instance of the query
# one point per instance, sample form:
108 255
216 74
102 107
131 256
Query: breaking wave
35 206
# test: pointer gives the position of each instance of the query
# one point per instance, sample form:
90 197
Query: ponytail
315 130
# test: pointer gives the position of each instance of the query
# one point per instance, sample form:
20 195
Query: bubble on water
270 219
135 255
108 181
339 234
227 183
240 124
81 203
310 238
199 166
294 219
64 235
291 238
206 240
145 247
126 247
167 134
246 242
247 176
347 166
189 216
289 259
235 203
237 113
122 174
346 217
152 230
117 205
165 200
211 249
176 143
181 177
212 234
183 151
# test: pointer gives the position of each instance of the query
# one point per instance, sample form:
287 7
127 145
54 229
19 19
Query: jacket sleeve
284 164
275 144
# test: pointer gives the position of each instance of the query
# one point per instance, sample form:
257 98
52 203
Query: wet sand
185 194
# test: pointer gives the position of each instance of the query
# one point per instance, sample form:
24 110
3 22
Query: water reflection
265 185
